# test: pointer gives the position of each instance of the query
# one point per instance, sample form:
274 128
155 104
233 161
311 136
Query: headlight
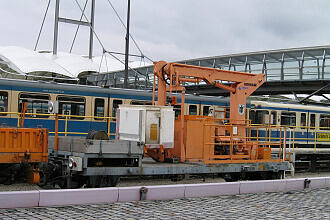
71 163
75 163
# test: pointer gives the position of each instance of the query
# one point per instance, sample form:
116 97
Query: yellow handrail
66 118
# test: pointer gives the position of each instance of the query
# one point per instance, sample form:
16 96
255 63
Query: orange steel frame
171 78
24 145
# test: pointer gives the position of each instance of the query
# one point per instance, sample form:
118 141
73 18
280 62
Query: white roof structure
19 61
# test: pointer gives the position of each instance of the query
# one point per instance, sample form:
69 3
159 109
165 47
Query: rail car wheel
102 181
232 177
278 175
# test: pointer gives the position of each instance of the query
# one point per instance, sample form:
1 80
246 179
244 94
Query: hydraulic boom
204 138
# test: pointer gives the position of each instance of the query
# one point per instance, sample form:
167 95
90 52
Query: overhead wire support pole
88 23
121 21
90 55
57 8
127 45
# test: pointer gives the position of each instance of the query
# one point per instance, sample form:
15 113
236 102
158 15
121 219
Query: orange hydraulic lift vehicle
205 138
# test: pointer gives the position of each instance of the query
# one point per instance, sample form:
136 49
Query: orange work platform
19 145
211 141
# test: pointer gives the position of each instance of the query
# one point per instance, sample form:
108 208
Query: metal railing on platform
66 119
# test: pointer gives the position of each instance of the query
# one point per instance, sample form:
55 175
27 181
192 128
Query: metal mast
76 22
127 45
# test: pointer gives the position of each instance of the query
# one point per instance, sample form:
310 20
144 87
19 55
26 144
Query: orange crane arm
171 77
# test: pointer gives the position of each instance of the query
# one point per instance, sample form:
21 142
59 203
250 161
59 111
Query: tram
84 108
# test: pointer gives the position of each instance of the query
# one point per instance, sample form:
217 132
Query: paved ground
310 204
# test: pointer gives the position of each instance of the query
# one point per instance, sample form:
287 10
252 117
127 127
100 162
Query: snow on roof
25 61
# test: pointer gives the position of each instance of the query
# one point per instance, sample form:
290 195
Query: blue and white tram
307 126
81 108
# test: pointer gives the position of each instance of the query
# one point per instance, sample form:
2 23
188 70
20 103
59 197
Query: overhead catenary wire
83 13
75 35
42 25
111 53
98 39
122 22
131 36
135 71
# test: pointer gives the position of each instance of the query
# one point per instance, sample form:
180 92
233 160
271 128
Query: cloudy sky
174 29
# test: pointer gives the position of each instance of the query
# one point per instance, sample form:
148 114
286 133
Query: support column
301 66
282 67
127 45
318 68
323 64
57 9
91 30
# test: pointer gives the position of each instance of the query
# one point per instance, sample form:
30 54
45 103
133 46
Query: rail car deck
149 167
108 151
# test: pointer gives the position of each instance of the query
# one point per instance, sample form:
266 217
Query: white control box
152 125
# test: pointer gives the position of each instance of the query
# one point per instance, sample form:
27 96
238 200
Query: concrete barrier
18 199
317 182
274 185
262 186
164 192
127 194
294 184
327 181
212 189
78 196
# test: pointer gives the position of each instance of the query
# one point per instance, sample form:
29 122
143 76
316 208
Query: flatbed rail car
152 168
100 163
233 172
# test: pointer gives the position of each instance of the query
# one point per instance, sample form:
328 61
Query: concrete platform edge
65 197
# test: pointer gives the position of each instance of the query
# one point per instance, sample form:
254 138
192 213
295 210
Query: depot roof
22 61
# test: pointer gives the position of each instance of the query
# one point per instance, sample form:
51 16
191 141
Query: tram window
99 109
141 102
252 115
219 112
312 121
261 117
3 103
71 106
36 104
324 122
177 110
206 110
273 118
192 109
227 113
115 105
288 118
303 118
